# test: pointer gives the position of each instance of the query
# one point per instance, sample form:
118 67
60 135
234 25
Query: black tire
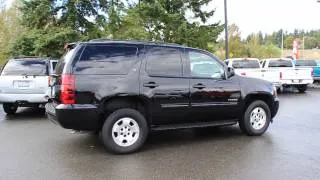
245 123
302 88
107 136
10 108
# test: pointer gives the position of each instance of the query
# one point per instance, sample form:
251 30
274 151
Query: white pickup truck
24 82
290 76
250 67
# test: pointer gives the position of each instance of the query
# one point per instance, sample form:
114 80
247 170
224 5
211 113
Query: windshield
65 59
237 64
18 67
280 63
308 63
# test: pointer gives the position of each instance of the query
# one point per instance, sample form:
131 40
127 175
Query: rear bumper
316 78
75 116
28 98
299 82
275 108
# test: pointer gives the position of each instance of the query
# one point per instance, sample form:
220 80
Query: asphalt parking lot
31 147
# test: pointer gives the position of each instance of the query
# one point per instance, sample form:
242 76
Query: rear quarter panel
97 88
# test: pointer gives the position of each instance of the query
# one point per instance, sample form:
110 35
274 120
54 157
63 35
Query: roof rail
133 41
20 57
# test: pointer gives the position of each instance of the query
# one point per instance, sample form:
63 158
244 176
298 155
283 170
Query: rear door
24 76
212 95
163 84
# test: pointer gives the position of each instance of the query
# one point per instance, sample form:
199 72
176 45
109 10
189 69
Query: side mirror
230 72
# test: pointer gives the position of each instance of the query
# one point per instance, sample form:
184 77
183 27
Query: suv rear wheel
256 119
124 131
10 108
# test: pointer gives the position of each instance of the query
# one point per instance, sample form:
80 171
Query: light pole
226 29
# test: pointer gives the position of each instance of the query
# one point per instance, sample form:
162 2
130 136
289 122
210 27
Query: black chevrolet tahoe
125 89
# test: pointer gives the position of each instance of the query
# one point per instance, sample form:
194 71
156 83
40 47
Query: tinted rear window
280 63
237 64
25 67
107 59
308 63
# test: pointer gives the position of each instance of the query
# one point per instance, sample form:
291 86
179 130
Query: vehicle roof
23 58
235 59
95 41
306 60
140 42
277 59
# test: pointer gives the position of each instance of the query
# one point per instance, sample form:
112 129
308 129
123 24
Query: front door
212 95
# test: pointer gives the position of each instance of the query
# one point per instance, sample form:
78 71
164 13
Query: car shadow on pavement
87 142
189 136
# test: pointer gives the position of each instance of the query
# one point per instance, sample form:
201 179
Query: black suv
124 89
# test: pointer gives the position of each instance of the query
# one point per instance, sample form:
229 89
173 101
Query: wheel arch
265 97
111 104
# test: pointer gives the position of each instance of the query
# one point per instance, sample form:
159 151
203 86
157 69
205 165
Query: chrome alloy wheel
258 118
125 132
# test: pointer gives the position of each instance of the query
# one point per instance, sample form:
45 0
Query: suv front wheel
256 119
124 131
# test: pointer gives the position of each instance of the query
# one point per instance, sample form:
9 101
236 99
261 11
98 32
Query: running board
194 125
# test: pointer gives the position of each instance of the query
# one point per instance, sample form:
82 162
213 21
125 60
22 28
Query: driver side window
204 66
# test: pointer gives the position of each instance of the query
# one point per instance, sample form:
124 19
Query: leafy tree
165 20
236 47
288 42
9 28
50 24
311 42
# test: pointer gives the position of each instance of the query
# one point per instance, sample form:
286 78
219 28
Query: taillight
243 74
68 95
280 75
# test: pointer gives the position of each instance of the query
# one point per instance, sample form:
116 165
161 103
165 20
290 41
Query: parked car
310 64
290 76
251 67
125 89
24 82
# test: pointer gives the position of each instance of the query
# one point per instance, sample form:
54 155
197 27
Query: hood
252 85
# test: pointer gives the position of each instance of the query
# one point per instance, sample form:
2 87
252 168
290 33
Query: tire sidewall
7 108
247 124
106 132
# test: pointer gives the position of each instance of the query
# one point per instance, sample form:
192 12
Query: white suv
24 82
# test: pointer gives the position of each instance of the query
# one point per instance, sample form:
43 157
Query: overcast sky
267 15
